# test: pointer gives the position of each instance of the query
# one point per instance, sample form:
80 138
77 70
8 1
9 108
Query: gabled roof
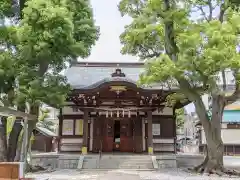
88 75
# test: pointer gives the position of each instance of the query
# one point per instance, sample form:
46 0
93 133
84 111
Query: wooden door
126 135
137 135
108 135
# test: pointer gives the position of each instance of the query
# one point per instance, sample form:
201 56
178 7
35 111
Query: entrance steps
140 162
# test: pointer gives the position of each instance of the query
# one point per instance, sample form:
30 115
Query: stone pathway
166 174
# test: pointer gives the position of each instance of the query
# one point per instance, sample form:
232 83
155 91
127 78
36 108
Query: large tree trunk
31 125
18 151
213 162
3 139
13 140
215 146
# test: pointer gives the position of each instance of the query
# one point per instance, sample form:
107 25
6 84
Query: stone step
121 165
113 157
102 170
133 163
123 162
117 162
136 167
122 159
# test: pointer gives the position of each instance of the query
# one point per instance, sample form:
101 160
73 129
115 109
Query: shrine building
107 111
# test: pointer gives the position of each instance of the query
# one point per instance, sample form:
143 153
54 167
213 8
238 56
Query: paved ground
167 174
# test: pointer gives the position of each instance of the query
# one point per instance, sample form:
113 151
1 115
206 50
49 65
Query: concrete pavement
164 174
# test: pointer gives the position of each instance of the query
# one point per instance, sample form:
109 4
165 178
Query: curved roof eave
124 80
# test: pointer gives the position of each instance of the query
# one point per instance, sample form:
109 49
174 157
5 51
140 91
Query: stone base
166 161
55 161
187 161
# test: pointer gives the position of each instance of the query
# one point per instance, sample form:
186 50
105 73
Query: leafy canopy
33 53
196 51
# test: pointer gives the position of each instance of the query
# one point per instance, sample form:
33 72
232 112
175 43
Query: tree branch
210 10
153 55
203 13
223 9
180 104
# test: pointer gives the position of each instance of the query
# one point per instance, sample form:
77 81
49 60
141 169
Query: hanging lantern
129 114
123 113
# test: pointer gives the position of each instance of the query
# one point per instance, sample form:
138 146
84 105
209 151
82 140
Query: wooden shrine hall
106 111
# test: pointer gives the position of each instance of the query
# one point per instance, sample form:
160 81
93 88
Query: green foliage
195 51
141 37
33 53
5 8
85 32
49 35
180 117
235 3
172 99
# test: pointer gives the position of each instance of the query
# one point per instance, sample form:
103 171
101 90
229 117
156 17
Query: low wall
192 149
70 161
185 161
166 161
46 160
54 161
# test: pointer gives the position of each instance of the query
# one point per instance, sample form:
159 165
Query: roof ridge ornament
118 73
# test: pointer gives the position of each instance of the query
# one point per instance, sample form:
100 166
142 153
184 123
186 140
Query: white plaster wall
71 144
164 141
71 140
163 147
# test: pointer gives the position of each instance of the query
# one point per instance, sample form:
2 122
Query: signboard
79 127
67 127
156 129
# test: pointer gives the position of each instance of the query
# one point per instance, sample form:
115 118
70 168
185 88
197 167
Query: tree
49 35
193 53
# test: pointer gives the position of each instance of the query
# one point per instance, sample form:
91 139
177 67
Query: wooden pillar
60 129
175 131
85 132
150 136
